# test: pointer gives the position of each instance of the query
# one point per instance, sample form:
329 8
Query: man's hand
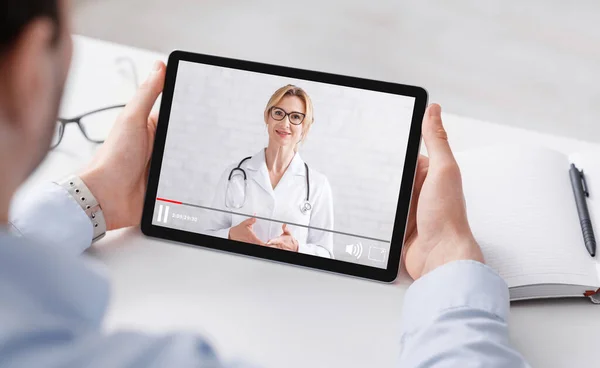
118 173
438 231
285 241
245 233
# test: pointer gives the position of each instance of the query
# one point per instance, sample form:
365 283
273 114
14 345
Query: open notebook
523 214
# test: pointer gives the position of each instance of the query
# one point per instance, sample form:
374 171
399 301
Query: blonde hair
291 90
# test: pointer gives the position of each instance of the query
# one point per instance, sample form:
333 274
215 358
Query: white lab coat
281 203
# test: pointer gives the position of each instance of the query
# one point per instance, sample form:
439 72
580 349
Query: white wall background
358 141
533 64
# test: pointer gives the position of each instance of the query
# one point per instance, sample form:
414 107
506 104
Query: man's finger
146 95
422 168
153 120
285 229
421 174
435 136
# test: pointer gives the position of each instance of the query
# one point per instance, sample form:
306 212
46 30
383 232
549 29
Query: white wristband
84 197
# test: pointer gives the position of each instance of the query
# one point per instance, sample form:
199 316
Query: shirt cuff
49 215
458 284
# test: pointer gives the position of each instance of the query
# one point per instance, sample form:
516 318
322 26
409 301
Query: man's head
35 53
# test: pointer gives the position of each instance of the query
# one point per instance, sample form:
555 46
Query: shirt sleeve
125 349
457 316
52 310
320 242
49 215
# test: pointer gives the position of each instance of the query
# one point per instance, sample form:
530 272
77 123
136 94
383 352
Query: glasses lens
296 118
277 113
58 132
96 126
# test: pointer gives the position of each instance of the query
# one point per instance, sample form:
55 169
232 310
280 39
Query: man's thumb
435 137
148 92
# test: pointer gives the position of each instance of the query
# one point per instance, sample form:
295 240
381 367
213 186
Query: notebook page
589 162
521 210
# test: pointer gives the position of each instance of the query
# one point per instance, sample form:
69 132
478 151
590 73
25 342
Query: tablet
283 164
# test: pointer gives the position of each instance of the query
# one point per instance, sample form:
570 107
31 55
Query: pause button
160 217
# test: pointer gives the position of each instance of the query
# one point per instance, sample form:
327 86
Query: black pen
580 191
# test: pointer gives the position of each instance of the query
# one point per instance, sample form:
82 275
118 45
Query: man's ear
26 71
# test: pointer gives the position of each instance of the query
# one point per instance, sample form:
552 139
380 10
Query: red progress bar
168 200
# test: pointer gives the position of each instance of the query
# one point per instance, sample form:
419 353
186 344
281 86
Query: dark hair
16 14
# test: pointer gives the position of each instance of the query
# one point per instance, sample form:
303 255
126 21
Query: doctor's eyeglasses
279 114
95 125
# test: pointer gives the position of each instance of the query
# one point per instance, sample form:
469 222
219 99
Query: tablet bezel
387 274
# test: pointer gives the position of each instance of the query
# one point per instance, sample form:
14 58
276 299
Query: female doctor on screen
276 184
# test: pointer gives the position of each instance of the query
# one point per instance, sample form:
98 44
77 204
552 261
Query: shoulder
318 179
228 169
243 163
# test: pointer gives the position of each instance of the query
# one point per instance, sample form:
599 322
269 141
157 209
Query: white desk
277 315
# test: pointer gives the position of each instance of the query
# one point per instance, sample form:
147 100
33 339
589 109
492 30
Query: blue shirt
54 298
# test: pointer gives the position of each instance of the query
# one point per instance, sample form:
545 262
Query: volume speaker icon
355 250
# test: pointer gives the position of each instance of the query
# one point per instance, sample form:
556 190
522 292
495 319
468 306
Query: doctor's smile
276 183
282 134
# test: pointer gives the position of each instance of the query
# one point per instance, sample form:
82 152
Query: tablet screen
291 164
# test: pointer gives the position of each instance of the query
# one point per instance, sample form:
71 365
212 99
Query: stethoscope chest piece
305 207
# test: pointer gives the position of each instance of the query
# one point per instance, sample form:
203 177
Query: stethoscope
305 206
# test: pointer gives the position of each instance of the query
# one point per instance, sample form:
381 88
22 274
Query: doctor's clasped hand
243 232
285 241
